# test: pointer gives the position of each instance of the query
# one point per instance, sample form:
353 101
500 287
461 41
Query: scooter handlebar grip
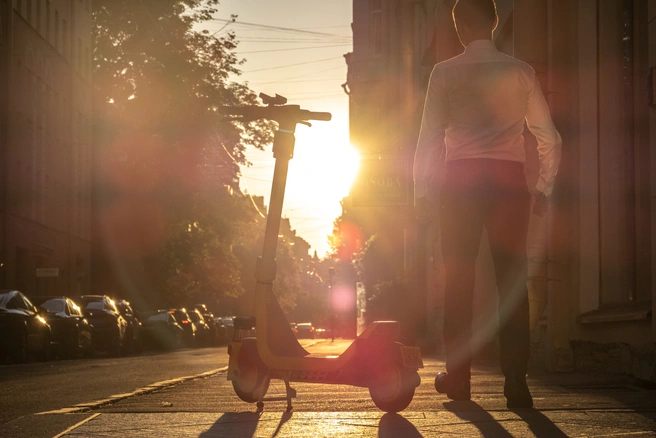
320 116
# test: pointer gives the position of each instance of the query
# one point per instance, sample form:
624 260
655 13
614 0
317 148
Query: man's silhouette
473 122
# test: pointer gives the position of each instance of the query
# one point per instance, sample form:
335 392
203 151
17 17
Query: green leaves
167 164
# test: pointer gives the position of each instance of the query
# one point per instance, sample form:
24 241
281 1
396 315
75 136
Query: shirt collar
480 45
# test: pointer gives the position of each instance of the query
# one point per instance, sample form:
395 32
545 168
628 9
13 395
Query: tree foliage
167 163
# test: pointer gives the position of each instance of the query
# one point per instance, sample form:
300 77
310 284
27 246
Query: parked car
187 324
70 330
209 320
305 330
134 342
23 331
229 327
203 330
109 326
161 330
221 337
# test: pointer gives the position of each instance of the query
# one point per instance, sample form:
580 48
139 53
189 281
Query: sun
321 173
324 165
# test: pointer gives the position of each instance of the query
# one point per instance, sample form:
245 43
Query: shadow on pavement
285 418
394 425
234 425
541 426
477 416
538 423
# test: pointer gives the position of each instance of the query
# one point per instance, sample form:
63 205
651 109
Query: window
74 308
66 49
25 303
48 20
56 43
38 15
376 34
28 12
53 306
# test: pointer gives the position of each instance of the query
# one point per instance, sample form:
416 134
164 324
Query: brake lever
306 123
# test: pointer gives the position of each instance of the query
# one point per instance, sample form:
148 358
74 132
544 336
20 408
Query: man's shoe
517 394
455 389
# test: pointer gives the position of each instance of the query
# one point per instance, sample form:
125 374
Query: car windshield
164 317
4 299
180 315
53 306
93 305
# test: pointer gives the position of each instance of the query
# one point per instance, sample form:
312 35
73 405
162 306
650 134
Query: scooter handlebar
326 117
276 113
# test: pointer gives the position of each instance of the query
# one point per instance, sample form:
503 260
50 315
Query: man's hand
424 210
540 203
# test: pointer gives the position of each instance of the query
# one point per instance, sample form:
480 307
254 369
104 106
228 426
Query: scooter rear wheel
393 387
251 382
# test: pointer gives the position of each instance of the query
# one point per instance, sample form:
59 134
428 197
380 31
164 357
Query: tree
167 164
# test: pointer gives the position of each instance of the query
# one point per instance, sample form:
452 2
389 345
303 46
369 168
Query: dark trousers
493 194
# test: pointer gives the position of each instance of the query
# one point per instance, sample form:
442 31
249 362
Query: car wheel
128 344
20 351
73 345
44 352
115 347
138 346
177 341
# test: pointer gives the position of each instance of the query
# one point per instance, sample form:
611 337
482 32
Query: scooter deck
280 350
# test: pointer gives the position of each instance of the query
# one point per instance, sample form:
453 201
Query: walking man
473 122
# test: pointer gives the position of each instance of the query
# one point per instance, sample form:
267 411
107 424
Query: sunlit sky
295 48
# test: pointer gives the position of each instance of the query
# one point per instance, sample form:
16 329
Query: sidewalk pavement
572 404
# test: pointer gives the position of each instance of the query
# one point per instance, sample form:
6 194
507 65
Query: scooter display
374 360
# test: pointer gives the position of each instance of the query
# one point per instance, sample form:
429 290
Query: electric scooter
374 360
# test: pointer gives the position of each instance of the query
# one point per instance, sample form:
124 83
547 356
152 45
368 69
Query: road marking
83 407
75 426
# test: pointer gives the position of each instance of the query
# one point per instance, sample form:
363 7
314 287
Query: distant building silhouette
45 145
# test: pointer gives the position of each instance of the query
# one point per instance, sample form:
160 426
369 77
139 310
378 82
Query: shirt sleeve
430 145
539 122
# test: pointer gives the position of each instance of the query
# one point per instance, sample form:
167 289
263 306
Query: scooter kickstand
291 393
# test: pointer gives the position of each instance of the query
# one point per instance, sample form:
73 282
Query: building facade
45 146
592 261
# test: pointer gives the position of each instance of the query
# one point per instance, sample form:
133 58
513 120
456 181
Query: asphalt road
37 387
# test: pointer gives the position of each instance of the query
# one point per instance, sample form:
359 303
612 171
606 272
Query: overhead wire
292 48
279 28
302 75
294 65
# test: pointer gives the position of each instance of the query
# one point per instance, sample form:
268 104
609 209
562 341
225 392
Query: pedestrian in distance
472 132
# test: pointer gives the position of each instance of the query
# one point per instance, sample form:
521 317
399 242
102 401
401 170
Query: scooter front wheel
393 387
251 380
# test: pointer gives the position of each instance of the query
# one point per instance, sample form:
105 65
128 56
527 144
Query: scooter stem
283 151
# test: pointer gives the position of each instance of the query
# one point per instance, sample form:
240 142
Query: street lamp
331 272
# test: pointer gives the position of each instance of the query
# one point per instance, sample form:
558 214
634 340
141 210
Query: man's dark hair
475 13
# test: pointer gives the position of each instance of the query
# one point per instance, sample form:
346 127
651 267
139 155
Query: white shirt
476 105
